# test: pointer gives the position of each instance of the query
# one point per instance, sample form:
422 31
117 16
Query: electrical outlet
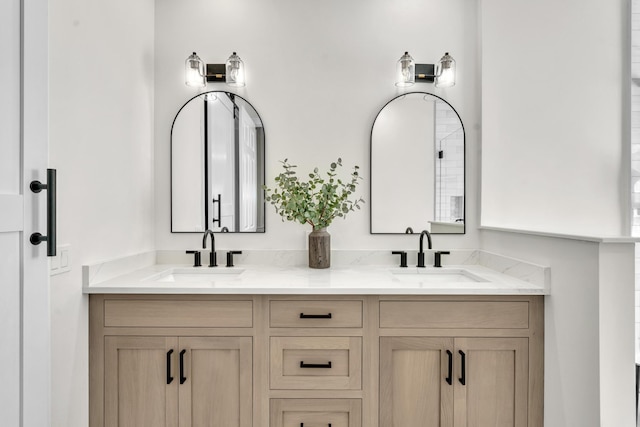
61 263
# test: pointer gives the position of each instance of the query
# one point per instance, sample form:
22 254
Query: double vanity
267 343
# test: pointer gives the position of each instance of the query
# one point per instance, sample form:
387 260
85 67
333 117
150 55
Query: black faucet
421 252
196 258
437 258
212 255
230 255
403 257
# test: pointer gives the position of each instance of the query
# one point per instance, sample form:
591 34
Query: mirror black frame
206 216
464 169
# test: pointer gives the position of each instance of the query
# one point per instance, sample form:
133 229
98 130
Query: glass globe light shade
446 71
405 71
194 74
235 71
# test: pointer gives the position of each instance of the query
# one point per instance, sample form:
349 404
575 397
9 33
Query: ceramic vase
319 248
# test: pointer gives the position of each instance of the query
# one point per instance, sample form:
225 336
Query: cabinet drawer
315 412
454 314
316 363
181 313
315 314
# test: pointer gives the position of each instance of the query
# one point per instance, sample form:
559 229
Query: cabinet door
414 391
216 389
139 391
495 376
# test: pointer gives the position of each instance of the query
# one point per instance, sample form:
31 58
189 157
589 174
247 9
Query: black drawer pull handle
302 424
450 369
169 377
315 316
182 377
463 374
315 365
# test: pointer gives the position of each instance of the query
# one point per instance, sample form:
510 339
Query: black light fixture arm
50 238
425 73
215 72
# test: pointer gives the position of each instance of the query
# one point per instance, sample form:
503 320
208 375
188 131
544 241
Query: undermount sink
194 275
432 275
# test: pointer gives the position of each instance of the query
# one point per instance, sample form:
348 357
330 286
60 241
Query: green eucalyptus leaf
317 201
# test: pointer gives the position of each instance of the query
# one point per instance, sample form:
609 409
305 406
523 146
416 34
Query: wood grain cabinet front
459 362
453 382
178 381
181 313
316 413
454 314
320 313
316 363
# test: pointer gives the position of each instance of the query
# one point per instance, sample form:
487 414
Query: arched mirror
217 166
417 167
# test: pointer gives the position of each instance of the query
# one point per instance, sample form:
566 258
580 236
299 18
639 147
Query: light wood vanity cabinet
316 361
458 363
147 373
292 361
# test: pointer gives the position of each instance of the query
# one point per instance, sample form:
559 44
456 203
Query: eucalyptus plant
319 200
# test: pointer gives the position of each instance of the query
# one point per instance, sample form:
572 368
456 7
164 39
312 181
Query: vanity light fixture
197 74
405 71
235 71
443 74
194 71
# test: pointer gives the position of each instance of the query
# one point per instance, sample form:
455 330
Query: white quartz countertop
340 280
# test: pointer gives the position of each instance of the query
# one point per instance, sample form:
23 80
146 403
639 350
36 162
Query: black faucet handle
403 257
213 260
197 258
437 258
230 255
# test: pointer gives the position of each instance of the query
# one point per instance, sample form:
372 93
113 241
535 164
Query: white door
248 174
24 283
222 160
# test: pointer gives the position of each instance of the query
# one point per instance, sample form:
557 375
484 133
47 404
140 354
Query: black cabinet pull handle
219 202
302 424
315 365
463 374
50 238
169 377
182 377
315 316
450 368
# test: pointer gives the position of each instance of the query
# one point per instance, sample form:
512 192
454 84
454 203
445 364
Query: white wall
101 134
555 158
589 373
317 73
554 115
